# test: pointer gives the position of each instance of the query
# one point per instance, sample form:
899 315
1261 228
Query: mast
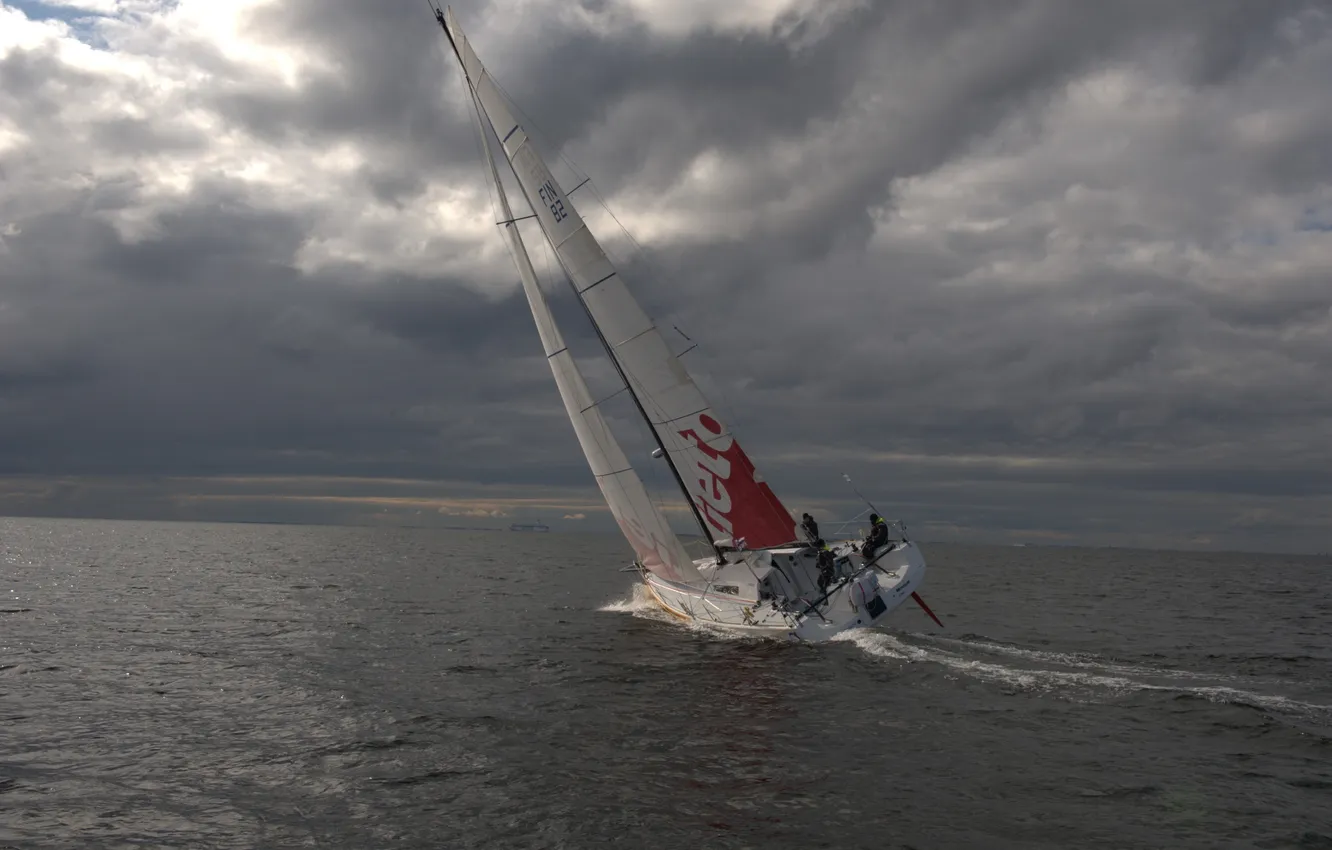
601 337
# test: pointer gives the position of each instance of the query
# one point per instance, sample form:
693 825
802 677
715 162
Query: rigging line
606 206
604 400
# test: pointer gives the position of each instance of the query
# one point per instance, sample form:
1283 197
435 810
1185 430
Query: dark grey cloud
204 351
1028 270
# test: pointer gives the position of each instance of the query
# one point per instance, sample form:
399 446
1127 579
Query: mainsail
730 498
647 531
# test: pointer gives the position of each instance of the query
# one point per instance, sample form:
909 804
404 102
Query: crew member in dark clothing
878 536
827 565
811 528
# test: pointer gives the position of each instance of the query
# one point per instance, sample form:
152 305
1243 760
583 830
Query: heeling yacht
762 577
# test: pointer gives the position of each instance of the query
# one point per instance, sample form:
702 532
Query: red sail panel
729 492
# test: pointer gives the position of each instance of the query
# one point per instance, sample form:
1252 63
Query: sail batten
728 497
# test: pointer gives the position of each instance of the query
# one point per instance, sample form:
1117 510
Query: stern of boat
868 597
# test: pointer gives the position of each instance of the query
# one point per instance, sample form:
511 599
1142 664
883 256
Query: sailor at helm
877 537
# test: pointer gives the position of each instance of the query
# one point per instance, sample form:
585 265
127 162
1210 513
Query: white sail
644 526
721 480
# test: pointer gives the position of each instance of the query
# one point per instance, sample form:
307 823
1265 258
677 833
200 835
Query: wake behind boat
763 575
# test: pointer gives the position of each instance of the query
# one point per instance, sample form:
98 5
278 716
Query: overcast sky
1029 271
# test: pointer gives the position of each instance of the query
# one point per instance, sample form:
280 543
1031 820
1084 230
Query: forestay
646 529
728 492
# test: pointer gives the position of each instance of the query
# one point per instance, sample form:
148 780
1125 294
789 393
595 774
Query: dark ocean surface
199 686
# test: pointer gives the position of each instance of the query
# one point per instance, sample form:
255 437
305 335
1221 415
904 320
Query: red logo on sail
728 491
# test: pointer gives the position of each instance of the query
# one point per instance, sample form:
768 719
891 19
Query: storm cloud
1029 270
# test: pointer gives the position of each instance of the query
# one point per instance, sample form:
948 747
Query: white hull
781 598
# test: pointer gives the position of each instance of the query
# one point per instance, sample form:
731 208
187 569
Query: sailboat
762 576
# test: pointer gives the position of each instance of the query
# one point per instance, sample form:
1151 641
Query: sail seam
648 329
604 400
572 234
686 416
616 472
598 283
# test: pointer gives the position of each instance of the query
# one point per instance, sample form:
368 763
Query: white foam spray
639 601
1117 679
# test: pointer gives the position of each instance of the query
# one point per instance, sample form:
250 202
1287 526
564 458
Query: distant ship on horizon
529 526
